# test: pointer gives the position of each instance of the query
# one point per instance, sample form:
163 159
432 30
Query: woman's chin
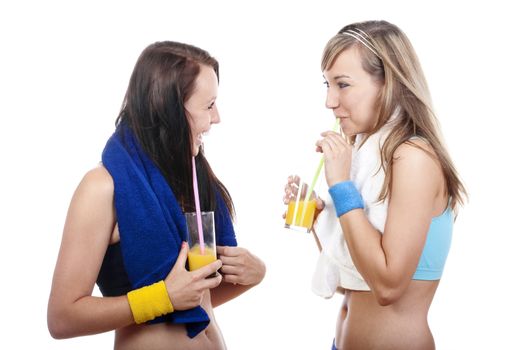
196 150
348 132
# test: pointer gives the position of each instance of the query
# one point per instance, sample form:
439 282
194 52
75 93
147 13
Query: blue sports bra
434 255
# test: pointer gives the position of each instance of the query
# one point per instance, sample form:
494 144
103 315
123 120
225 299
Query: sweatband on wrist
149 302
346 197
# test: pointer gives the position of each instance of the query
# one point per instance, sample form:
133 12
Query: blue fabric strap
346 197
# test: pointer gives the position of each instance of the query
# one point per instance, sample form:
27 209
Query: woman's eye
343 85
211 106
326 83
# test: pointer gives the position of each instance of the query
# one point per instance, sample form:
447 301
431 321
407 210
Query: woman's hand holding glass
239 266
186 288
291 190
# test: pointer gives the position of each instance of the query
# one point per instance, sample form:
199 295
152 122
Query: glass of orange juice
201 255
301 210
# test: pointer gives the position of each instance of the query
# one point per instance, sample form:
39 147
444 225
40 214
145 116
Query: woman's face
200 107
352 93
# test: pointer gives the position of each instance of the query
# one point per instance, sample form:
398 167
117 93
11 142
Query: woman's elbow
386 296
56 331
58 325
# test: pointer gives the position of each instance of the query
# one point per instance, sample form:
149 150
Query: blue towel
151 223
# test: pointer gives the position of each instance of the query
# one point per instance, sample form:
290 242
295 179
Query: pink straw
197 205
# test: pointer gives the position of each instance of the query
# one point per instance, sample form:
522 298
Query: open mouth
199 139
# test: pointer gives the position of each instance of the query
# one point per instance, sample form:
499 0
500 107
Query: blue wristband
346 197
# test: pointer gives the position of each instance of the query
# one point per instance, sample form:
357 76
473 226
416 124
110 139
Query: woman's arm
72 311
388 261
317 241
319 207
241 270
226 292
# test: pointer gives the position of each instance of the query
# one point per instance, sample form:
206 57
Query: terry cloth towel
335 267
151 223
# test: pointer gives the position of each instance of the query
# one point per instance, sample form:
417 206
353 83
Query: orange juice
197 260
301 220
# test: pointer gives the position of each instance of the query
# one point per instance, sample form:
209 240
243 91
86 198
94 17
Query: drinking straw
197 205
316 175
299 191
319 167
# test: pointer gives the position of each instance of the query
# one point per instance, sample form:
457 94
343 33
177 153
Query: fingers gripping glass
301 209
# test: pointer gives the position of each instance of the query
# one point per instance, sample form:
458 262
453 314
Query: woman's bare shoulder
97 181
417 170
415 148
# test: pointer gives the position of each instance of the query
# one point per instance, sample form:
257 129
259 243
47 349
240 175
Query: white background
64 69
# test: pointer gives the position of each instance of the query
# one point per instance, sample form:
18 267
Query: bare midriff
165 336
364 324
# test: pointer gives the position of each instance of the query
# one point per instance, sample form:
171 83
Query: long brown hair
388 56
162 81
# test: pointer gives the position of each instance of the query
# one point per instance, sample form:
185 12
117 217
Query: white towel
335 267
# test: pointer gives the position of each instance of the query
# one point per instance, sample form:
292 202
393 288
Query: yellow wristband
149 302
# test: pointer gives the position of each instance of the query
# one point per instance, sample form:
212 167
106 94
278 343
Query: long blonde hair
388 57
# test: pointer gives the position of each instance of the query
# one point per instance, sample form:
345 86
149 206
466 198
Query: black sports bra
112 278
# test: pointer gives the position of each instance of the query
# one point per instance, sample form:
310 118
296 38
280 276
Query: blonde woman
385 228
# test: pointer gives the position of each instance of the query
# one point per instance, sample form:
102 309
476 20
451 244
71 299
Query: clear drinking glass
199 254
301 209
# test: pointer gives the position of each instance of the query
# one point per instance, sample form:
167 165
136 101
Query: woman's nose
215 117
332 100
